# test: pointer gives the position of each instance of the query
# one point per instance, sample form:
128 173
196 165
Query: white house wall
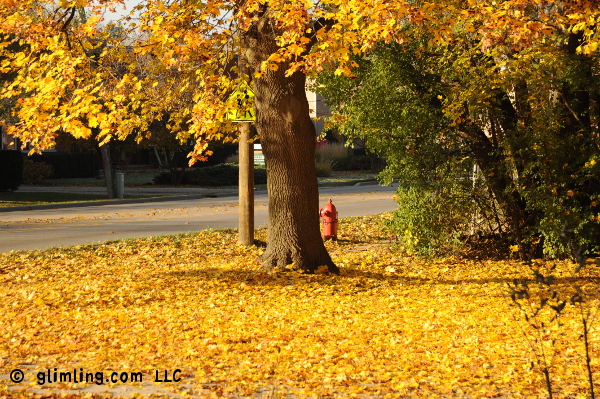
318 110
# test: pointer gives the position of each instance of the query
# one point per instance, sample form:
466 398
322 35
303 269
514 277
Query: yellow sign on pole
242 96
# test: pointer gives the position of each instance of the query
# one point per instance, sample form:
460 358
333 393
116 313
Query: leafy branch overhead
65 86
492 133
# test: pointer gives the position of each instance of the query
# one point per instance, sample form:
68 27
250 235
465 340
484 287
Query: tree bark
107 165
287 136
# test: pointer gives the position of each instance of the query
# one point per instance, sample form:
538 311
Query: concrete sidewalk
154 195
149 191
158 191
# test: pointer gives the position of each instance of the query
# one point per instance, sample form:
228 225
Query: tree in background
7 76
170 152
280 41
523 112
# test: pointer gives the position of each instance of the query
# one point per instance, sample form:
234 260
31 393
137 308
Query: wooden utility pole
246 183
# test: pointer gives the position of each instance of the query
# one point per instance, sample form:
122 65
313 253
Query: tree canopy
71 87
525 114
67 79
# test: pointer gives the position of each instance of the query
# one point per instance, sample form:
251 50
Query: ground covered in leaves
388 326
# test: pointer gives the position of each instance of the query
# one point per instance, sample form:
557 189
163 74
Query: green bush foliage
213 176
429 220
220 153
323 168
11 169
70 165
353 163
332 152
36 171
435 111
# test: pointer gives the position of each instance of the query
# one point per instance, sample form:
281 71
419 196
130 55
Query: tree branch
570 109
321 23
68 21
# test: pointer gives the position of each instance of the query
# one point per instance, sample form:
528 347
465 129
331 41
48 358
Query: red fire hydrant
330 221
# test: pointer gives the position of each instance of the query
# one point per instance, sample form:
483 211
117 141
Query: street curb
113 202
136 201
367 183
374 183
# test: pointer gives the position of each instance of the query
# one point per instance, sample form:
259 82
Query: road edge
61 205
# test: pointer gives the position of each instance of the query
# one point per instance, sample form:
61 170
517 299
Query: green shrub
430 222
331 152
36 171
213 176
220 153
323 168
353 163
235 158
69 165
11 169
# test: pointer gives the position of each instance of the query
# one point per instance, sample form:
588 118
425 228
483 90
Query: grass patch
345 179
20 199
145 180
212 176
337 179
389 326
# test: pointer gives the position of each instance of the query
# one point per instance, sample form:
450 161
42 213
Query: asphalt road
39 229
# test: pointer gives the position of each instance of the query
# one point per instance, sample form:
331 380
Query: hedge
220 153
11 169
213 176
353 163
363 162
69 165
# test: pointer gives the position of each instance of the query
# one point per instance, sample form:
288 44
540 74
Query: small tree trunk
474 219
170 163
160 164
548 383
108 175
181 174
588 360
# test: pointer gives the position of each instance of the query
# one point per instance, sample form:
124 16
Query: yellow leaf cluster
69 75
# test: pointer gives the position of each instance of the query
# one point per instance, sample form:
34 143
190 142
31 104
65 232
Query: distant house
8 142
318 110
5 140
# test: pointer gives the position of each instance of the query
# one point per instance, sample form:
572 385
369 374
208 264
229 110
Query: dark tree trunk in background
177 166
287 136
107 165
513 114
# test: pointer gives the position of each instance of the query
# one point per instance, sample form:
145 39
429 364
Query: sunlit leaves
72 69
389 325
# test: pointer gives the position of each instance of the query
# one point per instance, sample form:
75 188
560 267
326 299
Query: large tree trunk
287 136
